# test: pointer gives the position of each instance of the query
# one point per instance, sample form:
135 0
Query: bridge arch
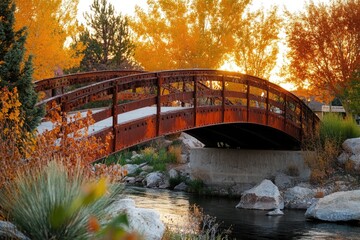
214 106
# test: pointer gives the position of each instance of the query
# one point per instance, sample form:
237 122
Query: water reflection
174 208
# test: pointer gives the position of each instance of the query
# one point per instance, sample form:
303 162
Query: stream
176 210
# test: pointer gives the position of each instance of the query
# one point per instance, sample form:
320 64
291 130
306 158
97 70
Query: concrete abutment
244 168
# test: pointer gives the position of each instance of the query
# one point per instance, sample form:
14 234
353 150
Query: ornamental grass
54 203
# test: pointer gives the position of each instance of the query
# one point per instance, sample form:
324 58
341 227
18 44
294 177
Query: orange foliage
69 140
49 23
257 42
15 143
324 47
185 34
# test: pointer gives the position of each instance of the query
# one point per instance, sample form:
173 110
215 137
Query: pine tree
14 71
107 39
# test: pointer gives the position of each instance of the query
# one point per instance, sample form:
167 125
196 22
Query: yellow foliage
185 34
148 151
257 42
49 25
176 152
15 143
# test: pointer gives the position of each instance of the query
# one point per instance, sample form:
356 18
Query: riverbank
295 191
175 209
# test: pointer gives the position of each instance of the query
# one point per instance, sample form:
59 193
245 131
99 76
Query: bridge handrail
59 82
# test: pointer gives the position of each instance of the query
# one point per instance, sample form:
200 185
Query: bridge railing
61 84
198 98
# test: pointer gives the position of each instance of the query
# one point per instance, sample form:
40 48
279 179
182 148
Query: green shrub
50 203
157 158
196 186
336 129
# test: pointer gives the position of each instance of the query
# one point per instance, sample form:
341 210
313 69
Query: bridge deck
122 118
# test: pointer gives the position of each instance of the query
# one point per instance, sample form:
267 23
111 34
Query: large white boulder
265 196
339 206
144 221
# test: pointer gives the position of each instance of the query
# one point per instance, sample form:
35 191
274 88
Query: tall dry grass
322 148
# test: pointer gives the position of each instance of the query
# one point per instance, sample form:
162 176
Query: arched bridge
221 109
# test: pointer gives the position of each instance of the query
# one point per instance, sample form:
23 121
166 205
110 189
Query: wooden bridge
221 109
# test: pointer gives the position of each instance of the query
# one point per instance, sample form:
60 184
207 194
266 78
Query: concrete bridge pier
226 168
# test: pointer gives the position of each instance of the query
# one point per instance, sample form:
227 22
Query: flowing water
175 209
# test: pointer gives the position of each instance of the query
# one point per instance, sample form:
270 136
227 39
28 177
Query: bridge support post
223 98
285 111
247 100
114 114
158 105
267 104
195 98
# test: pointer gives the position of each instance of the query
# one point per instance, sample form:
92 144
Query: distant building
320 108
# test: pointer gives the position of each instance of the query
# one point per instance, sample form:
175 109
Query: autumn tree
15 72
175 34
324 43
50 23
256 46
106 38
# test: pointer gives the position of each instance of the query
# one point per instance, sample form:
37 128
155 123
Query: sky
128 7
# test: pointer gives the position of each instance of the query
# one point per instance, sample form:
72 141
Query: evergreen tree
14 71
107 40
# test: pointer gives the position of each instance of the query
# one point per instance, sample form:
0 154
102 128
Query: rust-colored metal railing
57 85
192 99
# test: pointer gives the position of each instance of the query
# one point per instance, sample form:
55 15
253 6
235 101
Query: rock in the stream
276 212
299 197
144 221
338 206
181 187
265 196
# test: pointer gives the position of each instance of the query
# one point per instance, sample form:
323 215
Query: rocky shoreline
282 191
